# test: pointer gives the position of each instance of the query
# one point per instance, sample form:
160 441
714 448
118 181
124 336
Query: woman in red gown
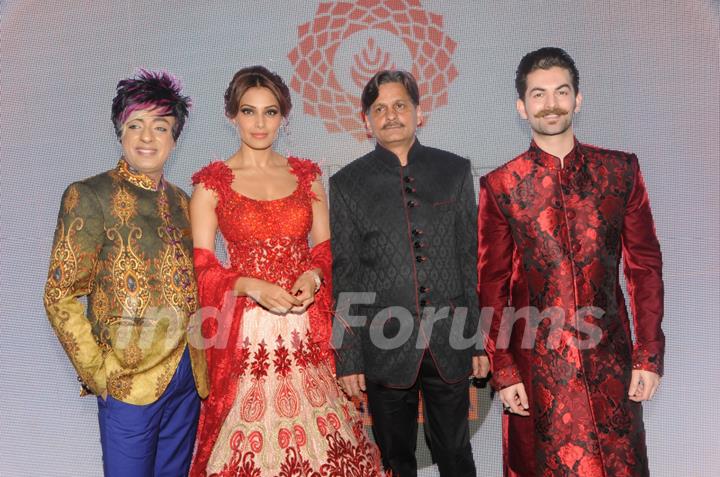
274 407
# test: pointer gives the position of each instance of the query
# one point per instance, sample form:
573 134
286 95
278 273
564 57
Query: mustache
393 124
558 111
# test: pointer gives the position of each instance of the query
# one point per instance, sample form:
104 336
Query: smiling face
392 117
147 141
549 103
258 118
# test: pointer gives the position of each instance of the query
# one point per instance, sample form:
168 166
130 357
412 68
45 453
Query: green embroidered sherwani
125 243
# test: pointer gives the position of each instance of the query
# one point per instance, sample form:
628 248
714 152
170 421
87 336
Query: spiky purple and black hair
158 90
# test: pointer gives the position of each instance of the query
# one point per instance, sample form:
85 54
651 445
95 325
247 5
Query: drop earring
285 128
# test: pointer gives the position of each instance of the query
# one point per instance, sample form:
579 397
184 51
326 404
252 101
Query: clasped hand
276 299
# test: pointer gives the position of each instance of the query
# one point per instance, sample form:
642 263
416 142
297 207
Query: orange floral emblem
371 35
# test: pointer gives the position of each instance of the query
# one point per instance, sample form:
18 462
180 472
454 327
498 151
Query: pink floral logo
347 42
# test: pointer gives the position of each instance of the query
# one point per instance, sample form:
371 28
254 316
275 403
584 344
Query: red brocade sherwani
550 240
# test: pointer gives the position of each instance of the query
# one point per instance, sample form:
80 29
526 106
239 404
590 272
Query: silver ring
507 408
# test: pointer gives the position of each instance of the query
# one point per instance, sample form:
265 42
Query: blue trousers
153 440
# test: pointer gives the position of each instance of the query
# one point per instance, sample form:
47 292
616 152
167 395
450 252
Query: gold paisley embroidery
176 269
63 264
129 274
105 348
168 371
178 285
71 199
68 341
136 179
103 319
163 206
184 206
133 355
62 315
101 307
163 380
124 205
119 386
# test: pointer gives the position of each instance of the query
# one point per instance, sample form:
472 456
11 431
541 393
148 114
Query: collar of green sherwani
138 178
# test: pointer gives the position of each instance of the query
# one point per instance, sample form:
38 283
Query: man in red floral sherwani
553 224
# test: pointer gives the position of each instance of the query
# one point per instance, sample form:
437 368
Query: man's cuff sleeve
505 377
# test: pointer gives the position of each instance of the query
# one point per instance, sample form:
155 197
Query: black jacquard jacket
409 235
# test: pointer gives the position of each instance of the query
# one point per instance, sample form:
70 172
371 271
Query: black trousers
394 414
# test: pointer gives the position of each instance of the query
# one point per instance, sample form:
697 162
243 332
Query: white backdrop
649 75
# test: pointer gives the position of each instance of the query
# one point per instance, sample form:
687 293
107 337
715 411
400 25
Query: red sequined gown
274 407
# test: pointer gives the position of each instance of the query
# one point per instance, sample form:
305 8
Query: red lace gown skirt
289 416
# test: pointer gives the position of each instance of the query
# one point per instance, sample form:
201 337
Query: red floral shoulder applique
306 171
216 176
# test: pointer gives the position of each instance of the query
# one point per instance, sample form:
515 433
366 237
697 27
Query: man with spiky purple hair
123 241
